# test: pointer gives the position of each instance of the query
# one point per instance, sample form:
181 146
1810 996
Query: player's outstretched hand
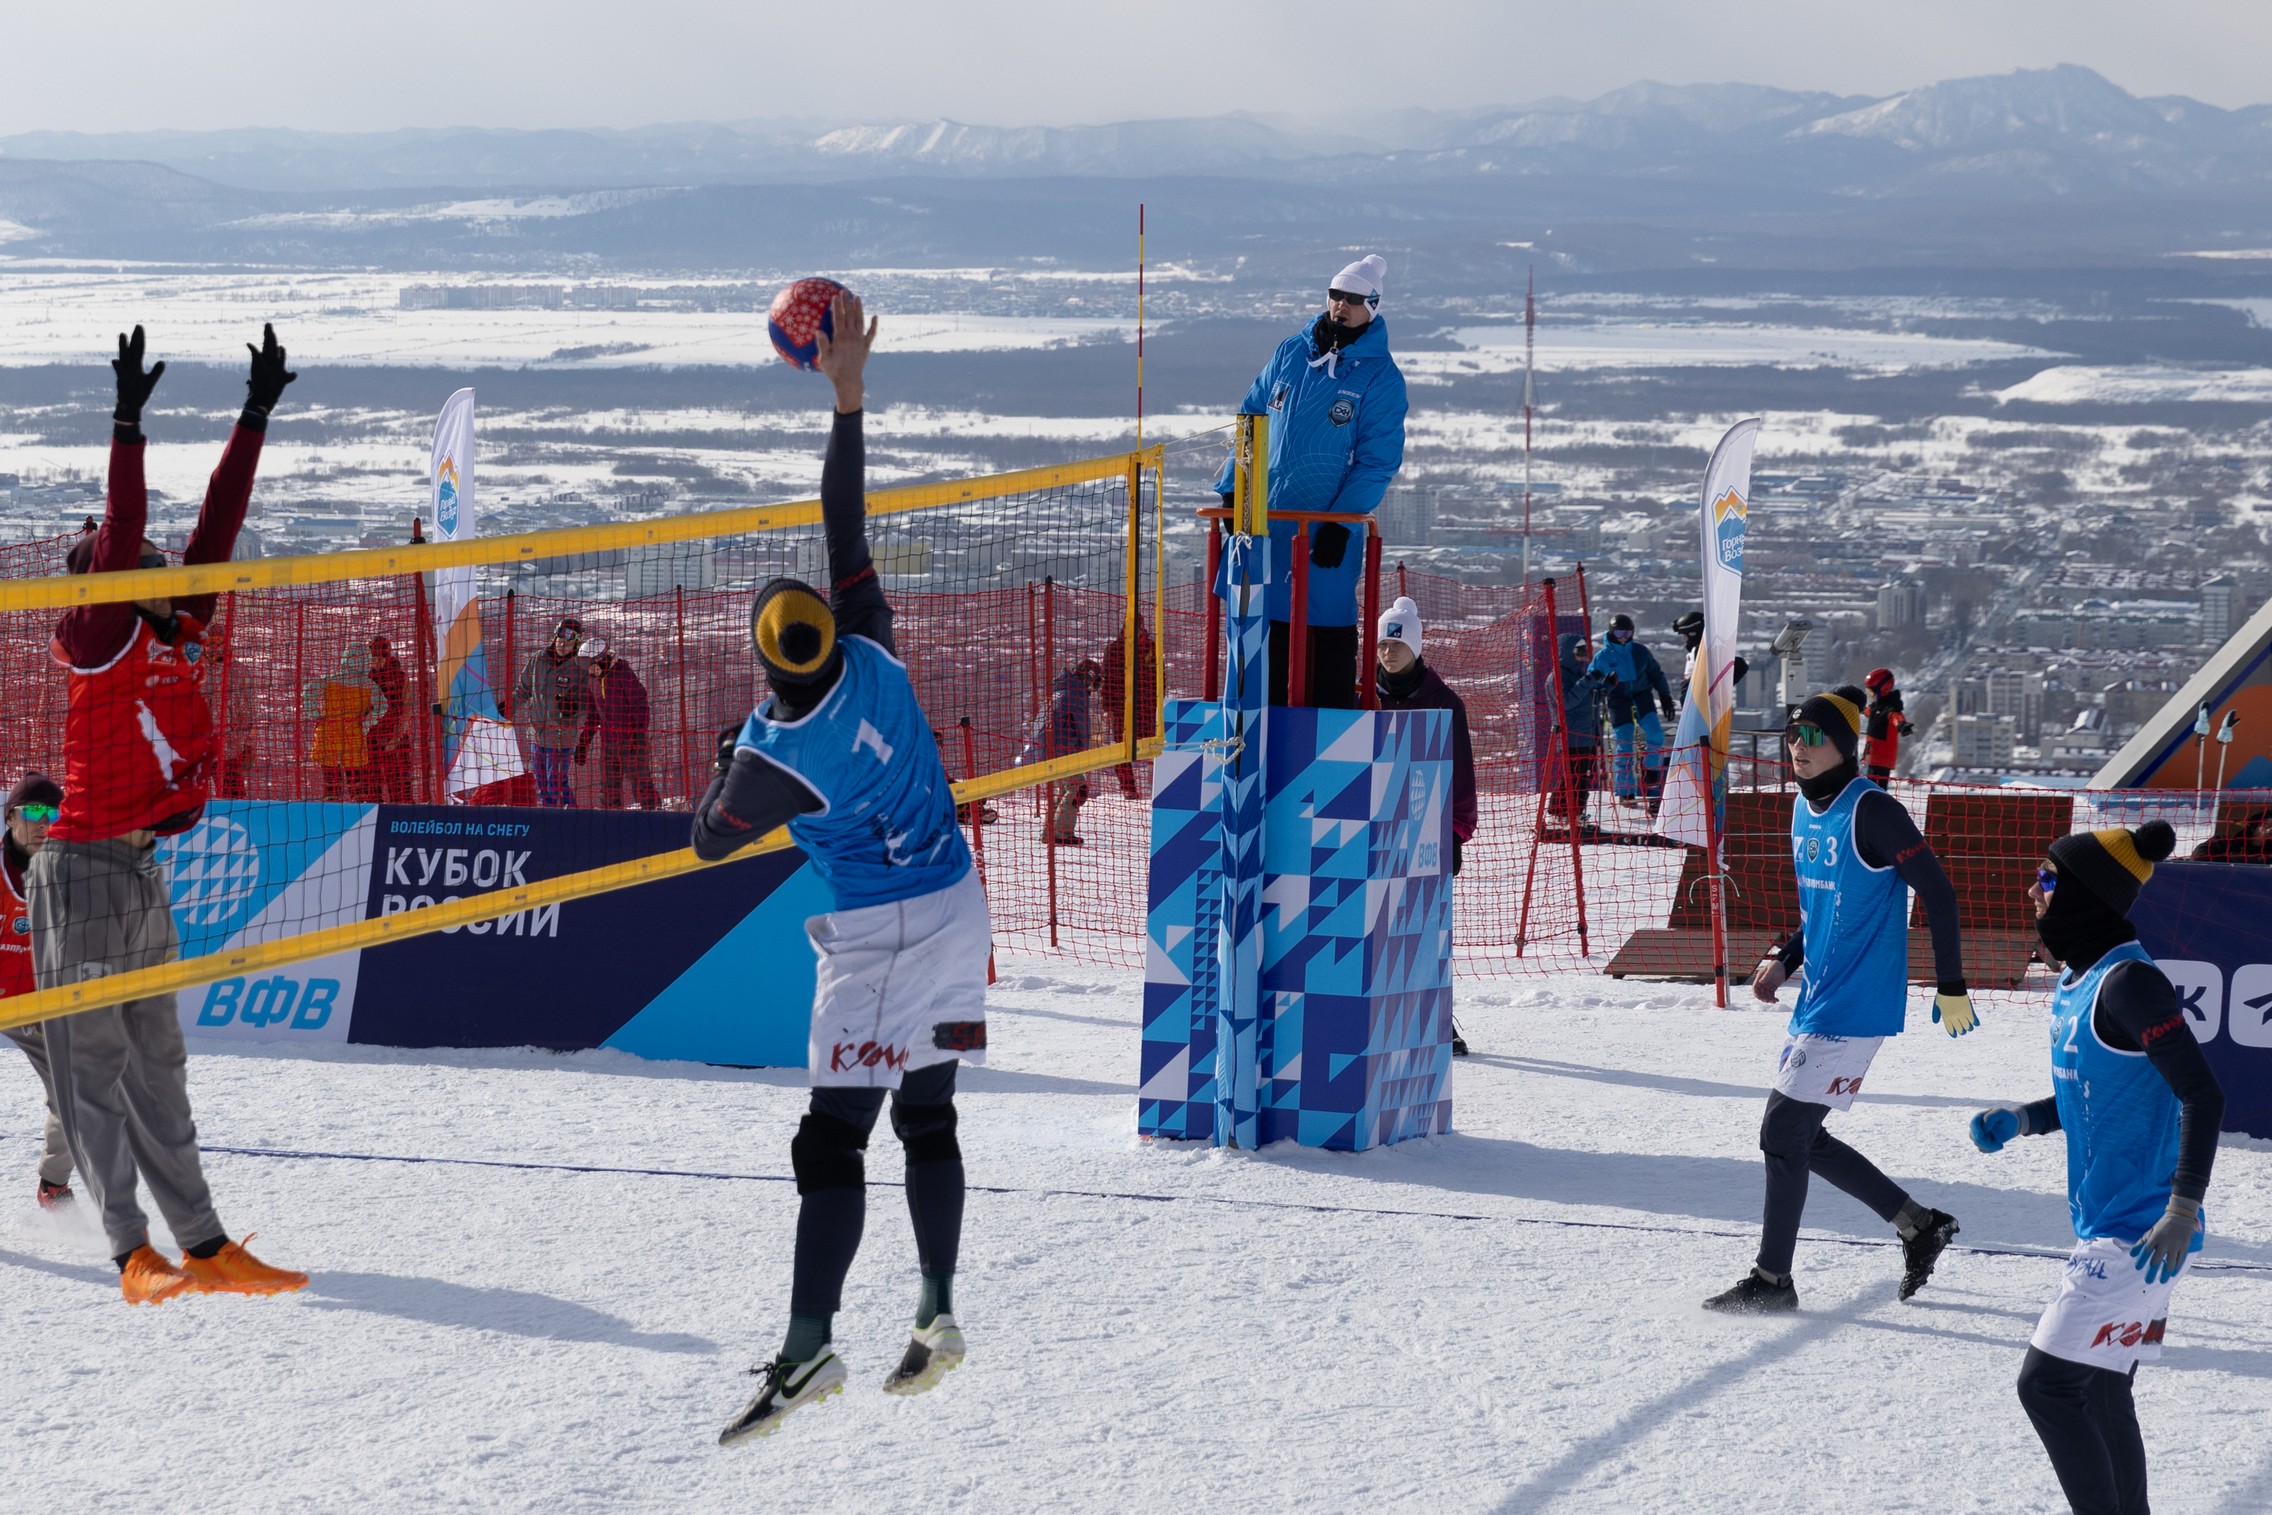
1992 1128
844 356
1768 977
2160 1253
266 384
134 385
1953 1011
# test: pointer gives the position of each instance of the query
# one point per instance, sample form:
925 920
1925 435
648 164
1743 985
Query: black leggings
2089 1425
829 1156
1796 1146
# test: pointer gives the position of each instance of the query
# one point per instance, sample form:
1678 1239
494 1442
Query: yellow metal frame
383 562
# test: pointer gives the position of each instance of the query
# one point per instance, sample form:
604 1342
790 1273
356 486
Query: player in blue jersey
2141 1107
842 755
1858 855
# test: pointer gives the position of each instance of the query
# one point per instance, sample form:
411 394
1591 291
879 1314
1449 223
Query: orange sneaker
233 1270
148 1279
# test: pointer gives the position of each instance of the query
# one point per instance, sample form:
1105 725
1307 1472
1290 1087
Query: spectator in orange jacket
345 707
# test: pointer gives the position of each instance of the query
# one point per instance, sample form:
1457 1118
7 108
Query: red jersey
15 935
137 738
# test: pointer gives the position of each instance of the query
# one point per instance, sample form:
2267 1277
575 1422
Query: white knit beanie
1401 621
1363 277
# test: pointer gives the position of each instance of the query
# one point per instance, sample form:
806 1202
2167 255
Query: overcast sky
122 65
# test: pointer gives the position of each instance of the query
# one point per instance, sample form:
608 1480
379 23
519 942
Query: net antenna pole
1530 331
1245 729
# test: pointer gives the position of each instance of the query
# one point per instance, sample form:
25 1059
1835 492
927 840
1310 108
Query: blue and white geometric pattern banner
1239 954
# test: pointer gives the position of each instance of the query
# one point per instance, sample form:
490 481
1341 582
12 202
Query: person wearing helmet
1634 685
1689 627
841 754
1886 726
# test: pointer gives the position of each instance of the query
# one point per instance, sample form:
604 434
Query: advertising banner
479 748
1694 779
2209 926
711 967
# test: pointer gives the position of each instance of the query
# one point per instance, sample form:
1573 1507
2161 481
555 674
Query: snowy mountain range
2052 167
2054 129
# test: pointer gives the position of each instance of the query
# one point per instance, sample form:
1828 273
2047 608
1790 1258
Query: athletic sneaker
1920 1252
787 1387
233 1270
1754 1295
932 1352
54 1196
148 1279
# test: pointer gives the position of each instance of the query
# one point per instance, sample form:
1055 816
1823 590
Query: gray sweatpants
121 1073
54 1155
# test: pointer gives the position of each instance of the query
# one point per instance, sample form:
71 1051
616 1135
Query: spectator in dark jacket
1064 731
551 698
1406 682
1580 734
619 719
2248 842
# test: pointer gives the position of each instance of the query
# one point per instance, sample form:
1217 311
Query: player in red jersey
138 756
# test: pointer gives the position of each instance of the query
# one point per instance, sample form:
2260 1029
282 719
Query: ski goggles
1621 636
1804 734
2046 880
42 814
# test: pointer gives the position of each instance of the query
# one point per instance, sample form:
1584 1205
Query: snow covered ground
539 1281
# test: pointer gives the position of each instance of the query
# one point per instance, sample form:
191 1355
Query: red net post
1214 684
685 713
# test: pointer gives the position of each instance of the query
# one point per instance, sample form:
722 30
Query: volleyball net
344 812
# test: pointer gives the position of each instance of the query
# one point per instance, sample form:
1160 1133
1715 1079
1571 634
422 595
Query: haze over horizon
577 64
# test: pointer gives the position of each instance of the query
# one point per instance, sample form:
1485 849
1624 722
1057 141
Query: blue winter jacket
1633 676
1336 439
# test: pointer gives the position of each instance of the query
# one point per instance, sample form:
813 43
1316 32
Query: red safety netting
991 663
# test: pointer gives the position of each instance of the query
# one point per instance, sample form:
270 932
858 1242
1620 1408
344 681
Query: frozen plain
1505 1319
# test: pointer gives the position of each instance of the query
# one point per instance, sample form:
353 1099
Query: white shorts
2105 1314
1825 1070
900 986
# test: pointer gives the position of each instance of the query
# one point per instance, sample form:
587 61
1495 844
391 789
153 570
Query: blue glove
1992 1128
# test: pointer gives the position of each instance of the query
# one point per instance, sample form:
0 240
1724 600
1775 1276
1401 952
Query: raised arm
229 492
854 593
91 635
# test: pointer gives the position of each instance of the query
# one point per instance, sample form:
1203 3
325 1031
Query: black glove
1329 545
266 384
1455 855
728 740
1672 711
1906 728
134 385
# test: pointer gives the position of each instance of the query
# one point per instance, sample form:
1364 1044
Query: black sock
122 1257
937 1298
205 1249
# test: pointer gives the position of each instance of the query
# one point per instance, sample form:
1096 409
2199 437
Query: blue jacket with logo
1336 439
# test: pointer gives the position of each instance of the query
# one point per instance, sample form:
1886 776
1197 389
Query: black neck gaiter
1400 686
1329 335
2080 928
1825 787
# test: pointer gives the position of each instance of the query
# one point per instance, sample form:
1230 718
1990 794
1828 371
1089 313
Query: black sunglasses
1341 297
